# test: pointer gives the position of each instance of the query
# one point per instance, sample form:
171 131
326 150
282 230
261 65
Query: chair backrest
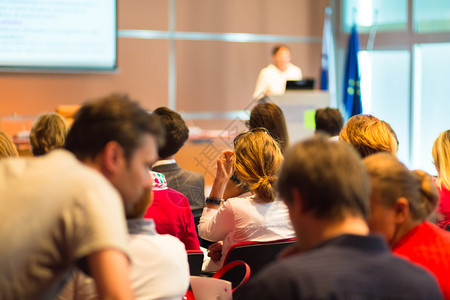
257 254
195 260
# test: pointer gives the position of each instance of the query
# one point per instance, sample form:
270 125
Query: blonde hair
48 133
369 135
441 157
7 147
257 160
392 180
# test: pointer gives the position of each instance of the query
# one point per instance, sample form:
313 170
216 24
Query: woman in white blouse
253 216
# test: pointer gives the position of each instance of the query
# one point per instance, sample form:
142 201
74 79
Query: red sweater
444 206
428 246
172 215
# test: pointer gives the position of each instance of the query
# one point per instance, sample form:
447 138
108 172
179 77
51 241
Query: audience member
272 79
441 157
189 183
270 116
266 115
326 189
48 133
255 216
64 213
369 135
159 271
401 201
171 213
7 147
328 121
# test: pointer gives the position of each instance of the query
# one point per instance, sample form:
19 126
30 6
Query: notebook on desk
304 84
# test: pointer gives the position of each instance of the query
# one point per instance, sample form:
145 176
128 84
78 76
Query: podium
299 108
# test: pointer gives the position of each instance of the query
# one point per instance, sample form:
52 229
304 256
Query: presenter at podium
272 79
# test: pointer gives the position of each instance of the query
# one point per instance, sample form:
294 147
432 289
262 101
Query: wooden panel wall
211 75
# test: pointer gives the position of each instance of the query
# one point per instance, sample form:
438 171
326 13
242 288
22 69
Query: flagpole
372 32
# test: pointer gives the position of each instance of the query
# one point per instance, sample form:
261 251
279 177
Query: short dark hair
176 131
112 118
329 176
329 120
277 48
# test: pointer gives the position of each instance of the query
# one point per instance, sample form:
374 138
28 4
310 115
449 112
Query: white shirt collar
163 162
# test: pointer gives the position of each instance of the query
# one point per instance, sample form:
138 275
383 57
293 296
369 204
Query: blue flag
352 92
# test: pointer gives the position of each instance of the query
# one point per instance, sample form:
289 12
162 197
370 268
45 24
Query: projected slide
62 34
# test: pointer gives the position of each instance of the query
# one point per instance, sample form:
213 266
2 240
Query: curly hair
48 133
369 135
7 147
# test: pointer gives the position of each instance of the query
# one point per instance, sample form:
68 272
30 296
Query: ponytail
264 188
429 196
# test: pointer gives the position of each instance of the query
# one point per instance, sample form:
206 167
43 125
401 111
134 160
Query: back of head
441 157
329 176
48 133
329 120
257 160
369 135
392 180
270 116
7 147
112 118
176 131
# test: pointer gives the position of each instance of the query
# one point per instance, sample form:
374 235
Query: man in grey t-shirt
57 212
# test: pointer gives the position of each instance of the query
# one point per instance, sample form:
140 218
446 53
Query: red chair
214 291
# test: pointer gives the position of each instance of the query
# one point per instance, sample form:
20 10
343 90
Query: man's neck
321 230
281 68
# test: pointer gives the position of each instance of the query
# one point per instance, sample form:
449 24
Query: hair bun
428 191
264 188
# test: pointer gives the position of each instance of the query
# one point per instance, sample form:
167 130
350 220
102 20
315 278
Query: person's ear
401 210
296 204
113 157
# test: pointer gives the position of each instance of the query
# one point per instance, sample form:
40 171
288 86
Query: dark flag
352 93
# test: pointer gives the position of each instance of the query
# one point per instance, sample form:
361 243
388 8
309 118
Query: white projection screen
58 35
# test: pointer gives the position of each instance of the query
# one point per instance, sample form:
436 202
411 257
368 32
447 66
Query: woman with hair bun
253 216
401 201
441 157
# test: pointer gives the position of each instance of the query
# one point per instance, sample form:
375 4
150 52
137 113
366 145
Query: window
431 101
431 16
404 77
387 14
385 91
